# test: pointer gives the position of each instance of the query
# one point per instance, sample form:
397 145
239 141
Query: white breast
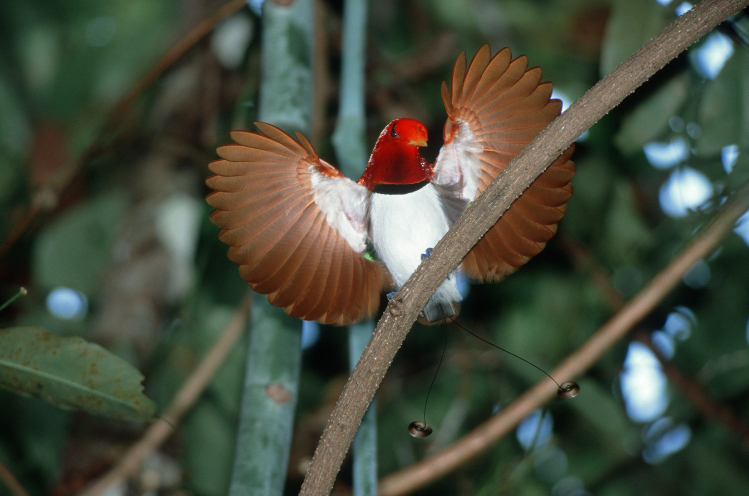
402 227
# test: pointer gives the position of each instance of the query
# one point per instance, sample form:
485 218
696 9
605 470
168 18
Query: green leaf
650 118
206 430
626 232
71 373
740 173
724 108
632 24
75 250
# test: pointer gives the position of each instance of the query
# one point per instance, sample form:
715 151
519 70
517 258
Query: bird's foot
395 301
426 255
391 295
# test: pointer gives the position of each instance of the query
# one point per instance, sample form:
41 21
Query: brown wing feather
285 246
506 106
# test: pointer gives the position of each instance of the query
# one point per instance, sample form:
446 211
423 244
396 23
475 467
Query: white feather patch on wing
344 204
458 168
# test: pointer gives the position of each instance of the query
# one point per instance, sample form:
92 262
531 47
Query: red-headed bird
300 230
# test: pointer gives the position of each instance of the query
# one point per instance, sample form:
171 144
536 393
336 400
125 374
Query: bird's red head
406 131
396 158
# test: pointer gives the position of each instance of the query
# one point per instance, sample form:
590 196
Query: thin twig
46 197
577 362
10 480
486 210
21 292
182 402
348 139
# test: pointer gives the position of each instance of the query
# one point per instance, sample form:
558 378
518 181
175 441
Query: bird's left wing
296 226
495 107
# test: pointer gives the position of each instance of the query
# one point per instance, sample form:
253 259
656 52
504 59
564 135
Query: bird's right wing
495 107
296 226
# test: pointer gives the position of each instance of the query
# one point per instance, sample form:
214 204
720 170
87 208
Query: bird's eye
393 134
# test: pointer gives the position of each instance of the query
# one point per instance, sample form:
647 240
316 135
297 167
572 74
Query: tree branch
14 486
577 362
480 217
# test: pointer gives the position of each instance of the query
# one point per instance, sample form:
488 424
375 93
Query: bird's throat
398 189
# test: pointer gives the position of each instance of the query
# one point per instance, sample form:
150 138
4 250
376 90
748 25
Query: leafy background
131 235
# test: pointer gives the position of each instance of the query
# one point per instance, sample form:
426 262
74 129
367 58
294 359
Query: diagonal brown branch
46 198
577 362
14 486
496 199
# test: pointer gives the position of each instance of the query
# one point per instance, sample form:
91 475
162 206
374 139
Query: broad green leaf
74 251
724 109
15 135
208 448
740 173
632 24
625 230
650 118
71 373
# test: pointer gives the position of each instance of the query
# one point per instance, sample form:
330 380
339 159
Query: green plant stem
365 442
286 65
349 142
348 136
21 292
274 356
268 403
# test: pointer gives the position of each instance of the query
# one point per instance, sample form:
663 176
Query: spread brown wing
505 106
290 221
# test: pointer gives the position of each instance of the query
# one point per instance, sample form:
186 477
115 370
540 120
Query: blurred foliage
159 287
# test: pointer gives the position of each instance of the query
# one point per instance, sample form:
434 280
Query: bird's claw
395 308
426 255
391 295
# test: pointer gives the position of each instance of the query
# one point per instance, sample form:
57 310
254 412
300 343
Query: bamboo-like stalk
268 401
364 447
349 142
348 136
274 355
